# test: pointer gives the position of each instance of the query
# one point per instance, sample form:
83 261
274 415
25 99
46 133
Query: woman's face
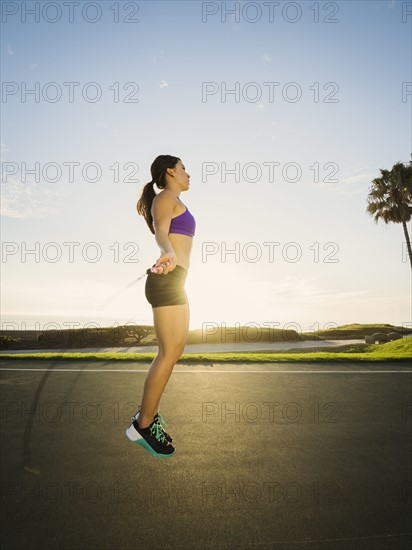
181 177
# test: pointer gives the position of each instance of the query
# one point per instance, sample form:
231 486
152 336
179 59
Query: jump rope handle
154 269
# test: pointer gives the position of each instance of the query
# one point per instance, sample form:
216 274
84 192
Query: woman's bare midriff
182 245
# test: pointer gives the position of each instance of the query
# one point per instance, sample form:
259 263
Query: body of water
209 348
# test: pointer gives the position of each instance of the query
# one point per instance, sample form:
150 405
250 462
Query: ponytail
144 204
158 170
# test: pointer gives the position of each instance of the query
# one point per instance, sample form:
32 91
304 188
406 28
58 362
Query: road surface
268 456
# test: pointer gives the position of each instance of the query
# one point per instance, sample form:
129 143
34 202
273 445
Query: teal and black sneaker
161 421
151 438
158 418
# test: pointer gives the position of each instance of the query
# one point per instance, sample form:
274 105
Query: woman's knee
171 352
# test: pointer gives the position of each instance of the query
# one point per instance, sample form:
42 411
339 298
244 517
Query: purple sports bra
184 223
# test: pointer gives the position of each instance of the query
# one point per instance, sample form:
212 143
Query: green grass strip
219 357
397 350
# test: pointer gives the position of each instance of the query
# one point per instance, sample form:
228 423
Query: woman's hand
165 264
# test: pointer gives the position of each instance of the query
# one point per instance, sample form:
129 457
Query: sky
283 113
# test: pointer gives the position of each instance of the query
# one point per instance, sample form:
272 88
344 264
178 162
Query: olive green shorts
166 290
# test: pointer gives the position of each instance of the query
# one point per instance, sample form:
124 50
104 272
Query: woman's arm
162 212
163 241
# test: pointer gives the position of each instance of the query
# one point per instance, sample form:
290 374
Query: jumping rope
147 272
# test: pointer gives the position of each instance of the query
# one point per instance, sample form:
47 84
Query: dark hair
158 171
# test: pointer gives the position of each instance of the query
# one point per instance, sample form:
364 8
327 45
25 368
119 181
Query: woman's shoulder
165 199
165 195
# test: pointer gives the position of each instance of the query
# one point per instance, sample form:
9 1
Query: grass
355 330
397 350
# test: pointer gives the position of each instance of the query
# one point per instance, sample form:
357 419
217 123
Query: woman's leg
171 325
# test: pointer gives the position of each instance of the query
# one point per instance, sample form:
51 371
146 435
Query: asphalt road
268 456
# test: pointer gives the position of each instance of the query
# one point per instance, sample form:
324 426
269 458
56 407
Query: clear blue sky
170 53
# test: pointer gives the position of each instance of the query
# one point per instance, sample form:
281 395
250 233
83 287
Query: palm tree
390 198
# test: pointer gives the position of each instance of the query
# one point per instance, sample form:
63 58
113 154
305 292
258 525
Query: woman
174 227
